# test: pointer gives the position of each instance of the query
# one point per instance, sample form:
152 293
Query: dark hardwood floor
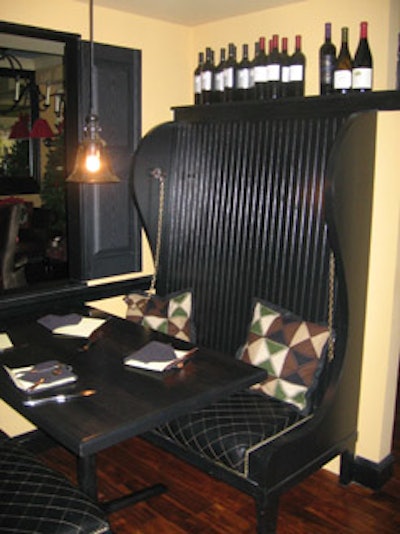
197 504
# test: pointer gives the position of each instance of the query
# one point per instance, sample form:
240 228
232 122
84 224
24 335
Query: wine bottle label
206 80
260 74
197 84
362 78
251 77
243 78
296 73
229 78
285 74
274 72
342 79
219 81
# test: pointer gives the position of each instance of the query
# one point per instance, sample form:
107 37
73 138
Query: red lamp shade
41 129
20 130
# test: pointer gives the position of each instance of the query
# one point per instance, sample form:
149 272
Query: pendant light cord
91 58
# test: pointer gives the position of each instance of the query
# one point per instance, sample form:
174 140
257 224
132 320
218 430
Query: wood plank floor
197 504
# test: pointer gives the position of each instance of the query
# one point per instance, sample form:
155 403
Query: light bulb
92 162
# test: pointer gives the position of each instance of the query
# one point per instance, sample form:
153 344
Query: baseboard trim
373 475
35 440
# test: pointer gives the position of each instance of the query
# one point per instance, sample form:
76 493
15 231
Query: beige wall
169 58
166 48
382 332
307 18
170 50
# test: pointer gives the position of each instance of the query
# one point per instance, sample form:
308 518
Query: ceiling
190 12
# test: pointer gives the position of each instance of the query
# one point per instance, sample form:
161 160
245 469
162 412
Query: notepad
157 356
71 324
41 376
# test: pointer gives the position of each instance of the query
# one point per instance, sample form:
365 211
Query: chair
34 498
12 264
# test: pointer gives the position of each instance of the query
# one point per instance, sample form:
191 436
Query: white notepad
71 324
5 341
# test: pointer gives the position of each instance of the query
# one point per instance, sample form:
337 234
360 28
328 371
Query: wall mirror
38 132
31 111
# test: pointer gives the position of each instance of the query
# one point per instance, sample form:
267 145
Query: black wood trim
35 441
371 474
37 33
311 105
74 292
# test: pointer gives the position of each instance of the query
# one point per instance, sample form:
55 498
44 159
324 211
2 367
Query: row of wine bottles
277 74
342 73
272 75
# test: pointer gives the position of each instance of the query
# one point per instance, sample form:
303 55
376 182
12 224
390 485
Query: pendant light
92 165
20 129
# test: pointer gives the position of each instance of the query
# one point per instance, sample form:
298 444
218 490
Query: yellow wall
170 50
382 332
169 58
307 18
166 47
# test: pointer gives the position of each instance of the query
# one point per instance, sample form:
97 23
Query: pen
180 362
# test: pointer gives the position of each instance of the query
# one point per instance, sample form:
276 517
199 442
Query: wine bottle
207 78
342 78
230 74
252 95
327 60
261 72
219 86
398 64
197 79
243 75
284 68
362 65
297 69
274 69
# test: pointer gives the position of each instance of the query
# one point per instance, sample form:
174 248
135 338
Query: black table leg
87 477
87 480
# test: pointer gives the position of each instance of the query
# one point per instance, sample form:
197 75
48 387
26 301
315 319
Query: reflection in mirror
32 157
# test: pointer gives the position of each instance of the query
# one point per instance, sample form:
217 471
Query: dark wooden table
127 402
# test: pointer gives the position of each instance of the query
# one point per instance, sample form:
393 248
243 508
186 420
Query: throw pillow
292 350
171 314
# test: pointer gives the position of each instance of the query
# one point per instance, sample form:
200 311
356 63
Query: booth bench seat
258 205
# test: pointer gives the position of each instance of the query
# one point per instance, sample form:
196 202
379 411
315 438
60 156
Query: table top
128 401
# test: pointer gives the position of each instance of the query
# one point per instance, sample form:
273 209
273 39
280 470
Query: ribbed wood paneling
244 218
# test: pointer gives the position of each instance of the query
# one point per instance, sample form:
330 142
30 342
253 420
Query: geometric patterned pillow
171 314
293 352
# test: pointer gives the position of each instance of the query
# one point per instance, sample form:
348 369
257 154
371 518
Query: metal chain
331 303
158 175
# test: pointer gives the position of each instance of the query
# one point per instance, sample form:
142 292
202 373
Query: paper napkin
42 376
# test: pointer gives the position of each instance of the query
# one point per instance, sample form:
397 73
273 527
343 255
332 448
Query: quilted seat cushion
35 499
226 432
